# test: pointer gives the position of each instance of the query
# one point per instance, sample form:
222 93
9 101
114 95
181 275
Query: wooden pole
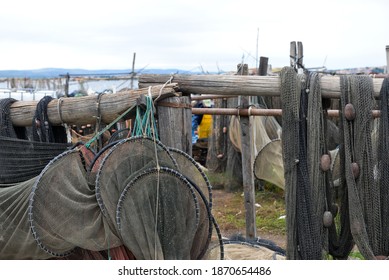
247 171
242 85
83 110
133 71
67 85
387 59
175 123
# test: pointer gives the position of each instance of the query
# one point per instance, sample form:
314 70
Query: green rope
145 124
108 126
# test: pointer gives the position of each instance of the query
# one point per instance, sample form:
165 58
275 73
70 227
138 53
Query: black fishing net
383 165
7 129
42 129
21 159
362 187
302 222
359 194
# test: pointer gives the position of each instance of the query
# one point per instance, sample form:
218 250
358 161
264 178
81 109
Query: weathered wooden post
175 123
387 59
67 85
247 168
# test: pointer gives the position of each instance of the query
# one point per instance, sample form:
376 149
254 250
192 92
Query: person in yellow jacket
201 124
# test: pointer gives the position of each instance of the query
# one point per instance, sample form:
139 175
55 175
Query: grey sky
189 34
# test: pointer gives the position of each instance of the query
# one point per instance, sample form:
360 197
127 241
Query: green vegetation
229 210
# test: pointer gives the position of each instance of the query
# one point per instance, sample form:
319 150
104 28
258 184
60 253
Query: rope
108 126
145 123
158 176
98 121
68 134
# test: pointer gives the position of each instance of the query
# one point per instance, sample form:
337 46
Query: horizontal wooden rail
241 85
84 110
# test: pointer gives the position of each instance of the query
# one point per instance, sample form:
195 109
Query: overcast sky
191 34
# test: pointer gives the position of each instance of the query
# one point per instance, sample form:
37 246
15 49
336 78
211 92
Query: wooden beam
242 85
83 110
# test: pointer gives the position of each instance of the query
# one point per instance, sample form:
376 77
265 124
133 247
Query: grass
229 210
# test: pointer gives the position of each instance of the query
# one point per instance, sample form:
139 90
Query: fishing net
63 212
383 165
158 213
303 225
42 129
7 129
267 147
167 215
121 163
120 134
20 159
194 174
350 181
268 164
127 201
365 170
53 213
238 248
16 240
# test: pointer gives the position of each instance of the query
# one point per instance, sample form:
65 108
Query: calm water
91 87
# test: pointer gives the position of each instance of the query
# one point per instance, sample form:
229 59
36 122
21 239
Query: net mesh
129 201
167 215
42 129
63 213
21 159
188 167
121 163
305 201
7 129
361 176
359 167
157 212
266 146
383 165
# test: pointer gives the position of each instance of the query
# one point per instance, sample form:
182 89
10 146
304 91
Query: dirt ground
220 199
